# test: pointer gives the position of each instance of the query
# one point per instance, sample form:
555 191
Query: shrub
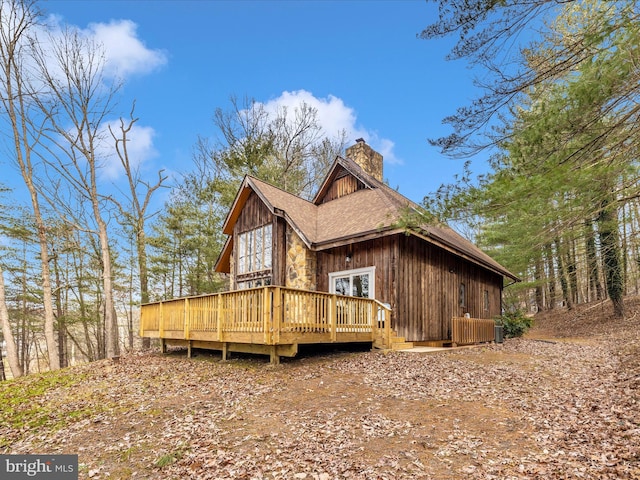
514 323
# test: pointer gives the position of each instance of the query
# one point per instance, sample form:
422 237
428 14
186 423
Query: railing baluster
471 330
267 310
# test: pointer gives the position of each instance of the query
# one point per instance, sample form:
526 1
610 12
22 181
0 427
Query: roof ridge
280 189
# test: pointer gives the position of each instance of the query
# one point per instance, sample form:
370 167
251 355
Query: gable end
342 184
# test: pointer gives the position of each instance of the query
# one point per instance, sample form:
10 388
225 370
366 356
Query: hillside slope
560 403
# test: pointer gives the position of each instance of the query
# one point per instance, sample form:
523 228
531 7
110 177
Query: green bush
514 323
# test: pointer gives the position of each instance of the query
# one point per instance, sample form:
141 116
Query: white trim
350 273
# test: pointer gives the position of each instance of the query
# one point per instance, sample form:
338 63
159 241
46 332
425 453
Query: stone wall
300 264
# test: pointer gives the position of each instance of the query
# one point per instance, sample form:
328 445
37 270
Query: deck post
267 316
333 316
219 325
387 327
189 349
142 321
276 318
275 358
186 319
225 350
163 346
161 322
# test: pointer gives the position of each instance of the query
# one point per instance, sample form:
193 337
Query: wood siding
428 290
344 184
420 281
254 214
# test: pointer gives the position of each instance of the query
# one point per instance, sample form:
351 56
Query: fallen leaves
523 409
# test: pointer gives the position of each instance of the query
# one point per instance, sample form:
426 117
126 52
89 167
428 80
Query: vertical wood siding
420 281
253 215
342 186
381 253
429 280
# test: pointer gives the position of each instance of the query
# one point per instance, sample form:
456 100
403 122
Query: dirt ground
560 403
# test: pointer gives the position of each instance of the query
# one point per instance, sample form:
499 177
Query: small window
486 300
463 294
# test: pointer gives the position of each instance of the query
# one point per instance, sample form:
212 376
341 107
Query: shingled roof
368 213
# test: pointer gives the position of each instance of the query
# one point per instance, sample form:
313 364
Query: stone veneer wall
366 157
300 264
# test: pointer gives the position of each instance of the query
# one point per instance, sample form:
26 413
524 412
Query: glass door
354 283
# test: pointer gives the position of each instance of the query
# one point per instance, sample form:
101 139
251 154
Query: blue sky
358 62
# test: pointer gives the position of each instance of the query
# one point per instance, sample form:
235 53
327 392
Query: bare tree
77 103
12 350
140 196
19 19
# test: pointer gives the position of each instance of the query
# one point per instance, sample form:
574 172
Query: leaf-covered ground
564 402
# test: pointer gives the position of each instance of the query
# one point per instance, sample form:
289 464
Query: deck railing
467 331
266 315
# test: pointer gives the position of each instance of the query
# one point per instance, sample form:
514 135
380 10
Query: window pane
341 285
257 258
242 247
267 244
360 286
250 249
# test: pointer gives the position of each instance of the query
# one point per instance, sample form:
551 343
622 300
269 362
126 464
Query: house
349 240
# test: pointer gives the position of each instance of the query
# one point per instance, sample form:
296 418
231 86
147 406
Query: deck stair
395 342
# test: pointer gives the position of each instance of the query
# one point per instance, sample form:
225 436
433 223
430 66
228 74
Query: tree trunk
610 250
551 303
16 110
564 284
593 272
12 351
572 273
62 334
144 275
112 344
539 273
3 375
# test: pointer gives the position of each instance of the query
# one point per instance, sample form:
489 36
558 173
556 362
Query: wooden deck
266 320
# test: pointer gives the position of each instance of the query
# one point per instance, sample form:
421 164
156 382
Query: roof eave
223 263
451 248
247 186
360 237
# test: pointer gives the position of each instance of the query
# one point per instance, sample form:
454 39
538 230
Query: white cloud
125 53
139 148
334 116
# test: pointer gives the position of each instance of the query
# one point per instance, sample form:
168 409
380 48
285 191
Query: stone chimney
366 157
